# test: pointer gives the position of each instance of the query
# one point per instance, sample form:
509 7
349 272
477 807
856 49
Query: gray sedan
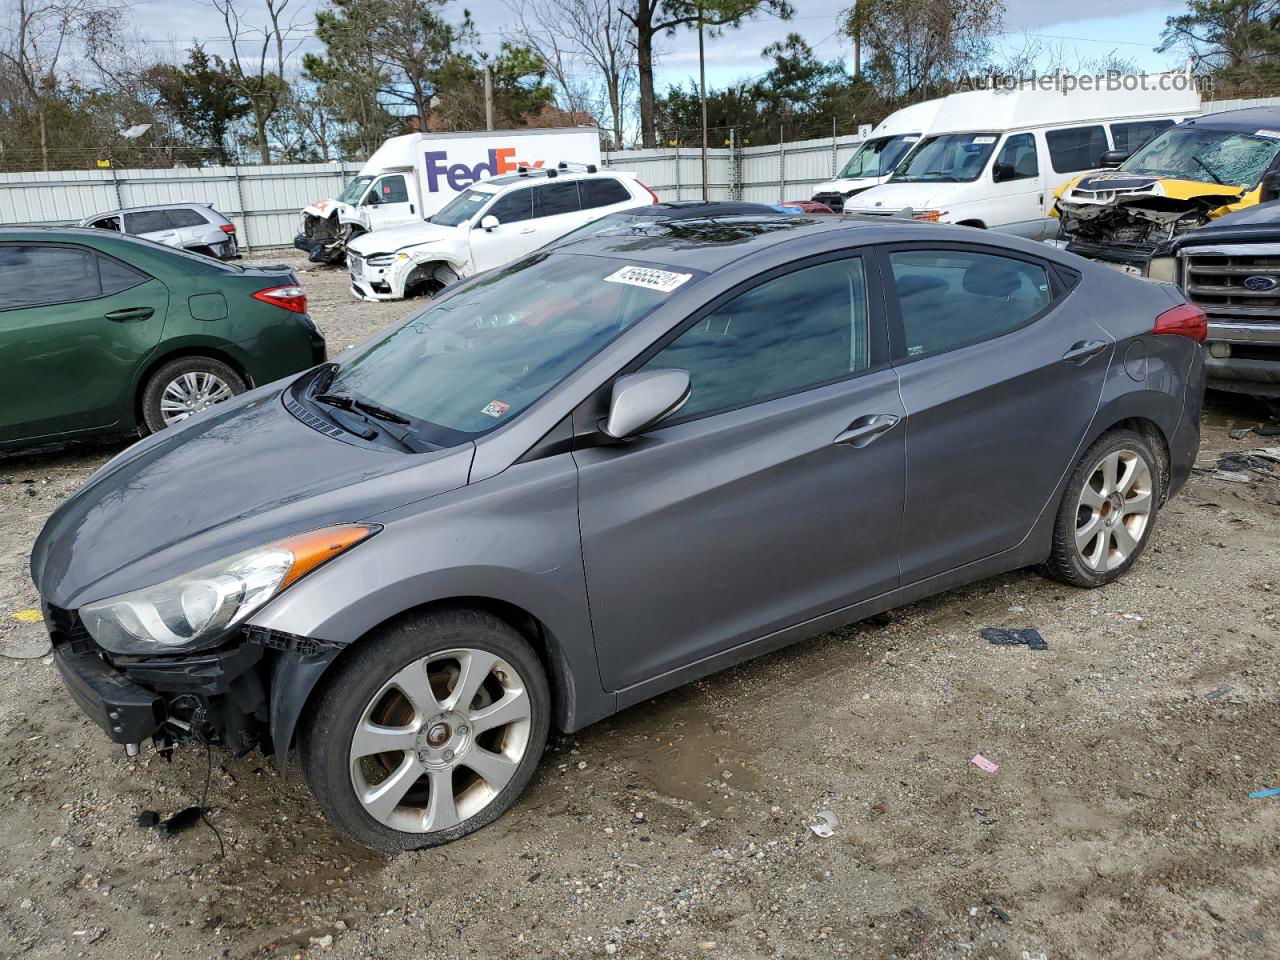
608 469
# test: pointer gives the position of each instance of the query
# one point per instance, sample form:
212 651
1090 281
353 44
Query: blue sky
1081 28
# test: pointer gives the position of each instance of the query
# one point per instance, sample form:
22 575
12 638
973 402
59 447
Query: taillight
228 228
650 192
292 297
1186 320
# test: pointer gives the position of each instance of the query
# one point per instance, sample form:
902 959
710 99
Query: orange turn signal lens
314 549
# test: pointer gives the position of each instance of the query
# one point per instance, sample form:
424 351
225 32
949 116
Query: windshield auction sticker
660 280
496 408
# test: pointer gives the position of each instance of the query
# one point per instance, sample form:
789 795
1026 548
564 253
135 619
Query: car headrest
991 279
912 284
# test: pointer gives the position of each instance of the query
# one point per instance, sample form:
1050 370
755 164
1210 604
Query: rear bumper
1184 445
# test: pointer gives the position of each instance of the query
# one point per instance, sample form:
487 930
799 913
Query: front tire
428 731
1108 511
186 386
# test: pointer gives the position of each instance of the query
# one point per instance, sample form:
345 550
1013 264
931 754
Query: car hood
1116 187
857 184
409 235
236 477
889 197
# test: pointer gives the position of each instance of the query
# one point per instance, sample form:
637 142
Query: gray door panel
706 534
990 428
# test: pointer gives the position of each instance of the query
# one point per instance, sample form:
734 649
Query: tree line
78 88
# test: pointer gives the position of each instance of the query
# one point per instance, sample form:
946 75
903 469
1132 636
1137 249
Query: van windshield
474 360
355 190
1197 153
461 208
951 157
878 157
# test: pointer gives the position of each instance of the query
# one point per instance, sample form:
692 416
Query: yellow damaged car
1177 181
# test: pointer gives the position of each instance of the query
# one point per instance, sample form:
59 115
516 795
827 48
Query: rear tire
186 386
394 756
1108 511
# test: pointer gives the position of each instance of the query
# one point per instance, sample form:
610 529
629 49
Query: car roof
547 173
43 234
708 244
1248 120
692 209
152 206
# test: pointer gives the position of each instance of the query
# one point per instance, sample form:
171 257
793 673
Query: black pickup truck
1230 268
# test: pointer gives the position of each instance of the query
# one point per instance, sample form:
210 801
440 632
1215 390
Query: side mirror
1001 172
643 400
1270 187
1113 158
371 199
488 223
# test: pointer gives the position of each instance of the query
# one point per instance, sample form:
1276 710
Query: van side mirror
1270 187
643 400
1002 172
1113 158
371 199
488 223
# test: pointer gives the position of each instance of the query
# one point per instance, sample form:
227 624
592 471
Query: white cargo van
994 158
409 178
879 155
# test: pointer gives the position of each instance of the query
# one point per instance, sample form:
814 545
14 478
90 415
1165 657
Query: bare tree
258 53
39 37
571 37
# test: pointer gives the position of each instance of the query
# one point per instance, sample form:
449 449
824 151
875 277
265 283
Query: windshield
1217 156
951 157
461 208
355 190
878 157
473 361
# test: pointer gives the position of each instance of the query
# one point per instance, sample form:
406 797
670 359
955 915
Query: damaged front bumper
1121 218
238 696
324 240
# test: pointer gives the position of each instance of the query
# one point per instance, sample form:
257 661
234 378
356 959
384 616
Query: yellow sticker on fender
649 278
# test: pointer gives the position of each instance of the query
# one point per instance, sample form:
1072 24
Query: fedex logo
459 176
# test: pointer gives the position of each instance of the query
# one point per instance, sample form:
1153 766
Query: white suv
195 227
490 223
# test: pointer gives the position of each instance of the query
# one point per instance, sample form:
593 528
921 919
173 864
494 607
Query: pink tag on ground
982 763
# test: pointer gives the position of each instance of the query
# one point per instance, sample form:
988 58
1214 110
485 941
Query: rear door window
954 298
553 199
1130 136
1076 148
148 221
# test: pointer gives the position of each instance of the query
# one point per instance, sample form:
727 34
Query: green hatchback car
102 333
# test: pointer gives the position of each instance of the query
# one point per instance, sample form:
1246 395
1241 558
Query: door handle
527 230
131 314
865 429
411 208
1083 350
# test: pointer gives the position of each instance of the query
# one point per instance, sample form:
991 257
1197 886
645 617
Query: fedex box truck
411 177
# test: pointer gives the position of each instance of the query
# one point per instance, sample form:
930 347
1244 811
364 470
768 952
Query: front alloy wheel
427 730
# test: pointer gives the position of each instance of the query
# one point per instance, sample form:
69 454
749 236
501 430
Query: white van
994 158
411 177
879 155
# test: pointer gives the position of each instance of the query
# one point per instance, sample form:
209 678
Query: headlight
197 609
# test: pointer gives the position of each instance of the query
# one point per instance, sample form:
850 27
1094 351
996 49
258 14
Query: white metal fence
264 201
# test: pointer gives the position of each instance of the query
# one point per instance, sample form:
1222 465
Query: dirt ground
1117 825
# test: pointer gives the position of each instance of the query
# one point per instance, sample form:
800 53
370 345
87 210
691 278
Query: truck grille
1223 286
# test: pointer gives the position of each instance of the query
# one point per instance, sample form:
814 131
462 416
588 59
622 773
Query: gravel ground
1117 825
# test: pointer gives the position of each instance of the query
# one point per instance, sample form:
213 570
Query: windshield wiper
343 402
1209 170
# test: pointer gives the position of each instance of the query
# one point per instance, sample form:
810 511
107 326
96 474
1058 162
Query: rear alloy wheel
187 386
428 732
1107 513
